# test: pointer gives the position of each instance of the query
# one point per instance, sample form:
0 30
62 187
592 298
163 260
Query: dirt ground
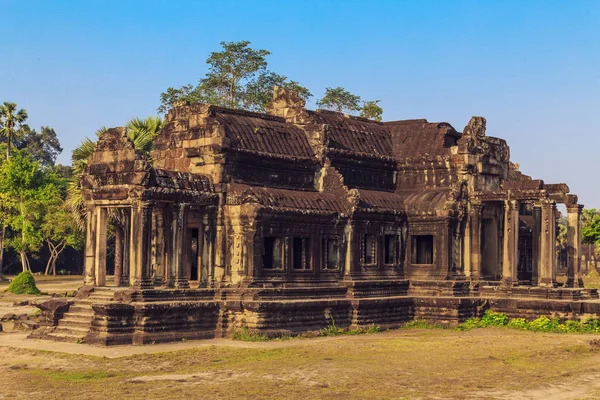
412 364
492 363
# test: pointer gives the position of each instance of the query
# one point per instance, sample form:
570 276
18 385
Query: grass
406 363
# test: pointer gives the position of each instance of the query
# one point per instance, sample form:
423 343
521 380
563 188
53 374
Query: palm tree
10 117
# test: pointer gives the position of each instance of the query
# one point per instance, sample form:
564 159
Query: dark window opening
273 253
331 250
369 249
422 249
301 253
391 249
194 247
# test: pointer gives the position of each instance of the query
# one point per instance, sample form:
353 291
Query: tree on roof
372 110
340 100
237 78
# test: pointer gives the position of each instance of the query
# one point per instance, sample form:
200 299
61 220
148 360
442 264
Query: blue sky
532 68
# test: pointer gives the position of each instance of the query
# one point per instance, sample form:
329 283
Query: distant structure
286 220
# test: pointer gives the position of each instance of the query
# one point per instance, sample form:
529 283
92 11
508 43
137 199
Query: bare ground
413 364
493 363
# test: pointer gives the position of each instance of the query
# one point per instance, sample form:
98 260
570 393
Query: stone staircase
75 324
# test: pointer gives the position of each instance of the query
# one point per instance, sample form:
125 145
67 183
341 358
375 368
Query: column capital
512 204
574 208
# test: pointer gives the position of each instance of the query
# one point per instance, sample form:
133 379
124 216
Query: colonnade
543 245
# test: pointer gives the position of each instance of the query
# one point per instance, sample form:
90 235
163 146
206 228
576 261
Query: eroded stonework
286 221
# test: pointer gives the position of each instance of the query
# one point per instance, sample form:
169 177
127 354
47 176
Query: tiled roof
380 201
247 131
417 137
353 134
425 201
284 198
182 180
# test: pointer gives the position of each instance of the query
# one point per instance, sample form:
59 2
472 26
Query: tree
340 100
237 78
590 226
26 192
141 132
235 64
60 230
259 92
9 119
372 110
43 146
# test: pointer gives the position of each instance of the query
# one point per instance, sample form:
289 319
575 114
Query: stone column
100 246
90 248
180 247
475 240
574 245
140 252
158 245
126 248
510 253
536 233
547 258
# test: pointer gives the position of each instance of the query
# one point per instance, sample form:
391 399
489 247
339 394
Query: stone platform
113 316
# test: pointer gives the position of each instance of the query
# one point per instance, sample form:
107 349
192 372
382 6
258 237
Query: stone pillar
100 247
547 258
126 248
140 251
510 253
90 248
180 247
158 245
574 245
536 233
475 240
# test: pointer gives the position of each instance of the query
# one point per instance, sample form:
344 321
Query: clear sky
532 68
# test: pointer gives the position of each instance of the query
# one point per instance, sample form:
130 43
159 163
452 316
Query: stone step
80 309
88 316
72 330
67 322
62 337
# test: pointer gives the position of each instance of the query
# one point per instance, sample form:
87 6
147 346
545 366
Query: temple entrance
194 255
491 241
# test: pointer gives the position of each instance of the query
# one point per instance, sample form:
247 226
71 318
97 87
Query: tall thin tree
10 118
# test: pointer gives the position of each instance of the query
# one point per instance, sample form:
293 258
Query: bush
492 318
246 335
518 323
24 283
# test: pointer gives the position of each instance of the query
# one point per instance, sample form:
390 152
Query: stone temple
288 221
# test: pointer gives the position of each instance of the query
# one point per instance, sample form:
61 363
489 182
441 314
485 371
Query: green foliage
420 324
246 335
259 92
141 132
24 283
26 192
372 110
590 226
340 100
9 119
43 147
237 78
541 324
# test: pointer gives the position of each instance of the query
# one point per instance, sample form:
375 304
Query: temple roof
425 201
285 199
373 200
418 137
354 134
252 132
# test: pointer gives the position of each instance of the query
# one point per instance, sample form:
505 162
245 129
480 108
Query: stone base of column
572 283
509 282
144 283
89 281
181 284
546 282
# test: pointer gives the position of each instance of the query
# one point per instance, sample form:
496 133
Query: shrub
492 318
247 336
544 324
518 323
24 283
